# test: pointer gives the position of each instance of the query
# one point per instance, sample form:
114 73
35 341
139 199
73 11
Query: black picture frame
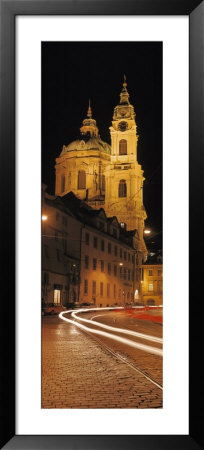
9 9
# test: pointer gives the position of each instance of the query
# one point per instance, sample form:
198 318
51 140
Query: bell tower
124 176
124 130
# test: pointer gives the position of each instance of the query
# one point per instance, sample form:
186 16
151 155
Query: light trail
118 330
97 315
145 348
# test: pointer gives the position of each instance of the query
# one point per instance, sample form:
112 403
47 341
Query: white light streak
145 348
118 330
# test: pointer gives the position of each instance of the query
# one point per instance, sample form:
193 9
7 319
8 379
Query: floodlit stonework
107 176
124 176
81 165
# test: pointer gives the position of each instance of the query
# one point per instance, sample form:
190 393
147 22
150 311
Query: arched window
103 183
122 147
81 179
122 191
62 183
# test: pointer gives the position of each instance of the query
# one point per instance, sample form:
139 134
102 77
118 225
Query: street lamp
147 231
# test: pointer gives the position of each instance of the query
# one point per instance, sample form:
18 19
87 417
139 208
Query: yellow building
108 263
152 283
107 176
86 256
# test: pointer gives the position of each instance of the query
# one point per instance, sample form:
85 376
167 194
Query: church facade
107 176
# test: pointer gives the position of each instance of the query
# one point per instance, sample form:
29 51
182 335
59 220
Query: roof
153 259
74 203
113 220
57 203
86 213
87 143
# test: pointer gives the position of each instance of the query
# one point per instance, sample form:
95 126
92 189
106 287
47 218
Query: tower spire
124 96
89 126
125 82
89 112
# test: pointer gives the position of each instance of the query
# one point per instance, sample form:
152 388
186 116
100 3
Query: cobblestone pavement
151 365
78 373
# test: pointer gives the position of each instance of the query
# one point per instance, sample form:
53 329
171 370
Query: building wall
51 282
60 254
122 284
130 208
152 284
67 258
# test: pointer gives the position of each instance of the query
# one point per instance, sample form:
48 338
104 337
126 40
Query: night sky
73 72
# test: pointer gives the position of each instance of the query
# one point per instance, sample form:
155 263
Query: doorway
56 296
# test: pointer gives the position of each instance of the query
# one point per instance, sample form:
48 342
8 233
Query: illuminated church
106 176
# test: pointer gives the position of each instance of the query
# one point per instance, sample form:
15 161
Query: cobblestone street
79 373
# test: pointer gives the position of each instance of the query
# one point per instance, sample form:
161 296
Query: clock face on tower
123 126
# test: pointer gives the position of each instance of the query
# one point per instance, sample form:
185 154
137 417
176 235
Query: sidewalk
78 373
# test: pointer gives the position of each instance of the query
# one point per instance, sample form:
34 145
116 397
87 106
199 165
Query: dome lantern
89 126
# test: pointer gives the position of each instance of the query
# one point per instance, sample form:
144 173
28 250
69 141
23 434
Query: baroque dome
89 138
92 143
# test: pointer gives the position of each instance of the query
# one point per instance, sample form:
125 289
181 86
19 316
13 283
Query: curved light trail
145 348
118 330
